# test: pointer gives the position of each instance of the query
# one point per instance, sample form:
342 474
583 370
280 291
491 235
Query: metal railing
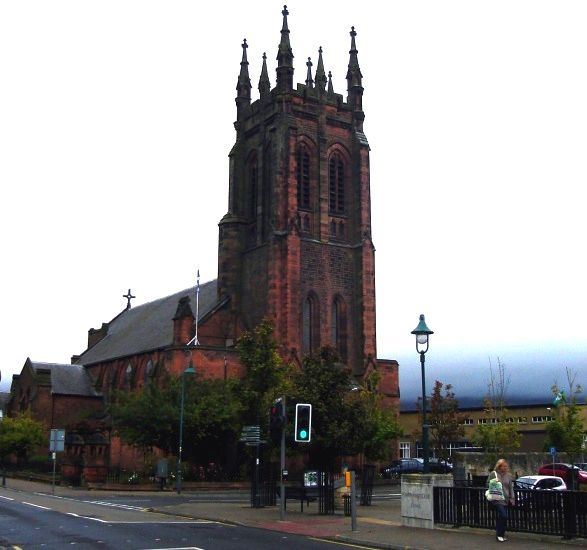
560 513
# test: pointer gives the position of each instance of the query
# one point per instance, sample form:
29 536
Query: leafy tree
20 435
446 423
566 431
266 375
498 434
346 418
150 417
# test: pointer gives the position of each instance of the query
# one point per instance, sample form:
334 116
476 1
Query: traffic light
303 427
276 421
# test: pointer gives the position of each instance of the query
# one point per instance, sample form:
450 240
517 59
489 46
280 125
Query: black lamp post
187 372
422 333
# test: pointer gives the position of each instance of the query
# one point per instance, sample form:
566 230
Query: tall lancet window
310 324
336 187
338 328
303 177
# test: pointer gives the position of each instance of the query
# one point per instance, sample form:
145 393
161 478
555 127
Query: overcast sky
116 119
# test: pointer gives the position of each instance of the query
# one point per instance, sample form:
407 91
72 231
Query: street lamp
422 333
187 372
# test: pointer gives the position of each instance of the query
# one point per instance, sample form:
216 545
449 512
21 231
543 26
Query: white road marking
183 522
36 505
6 498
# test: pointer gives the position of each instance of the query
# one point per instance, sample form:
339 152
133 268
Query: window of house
404 449
522 419
541 419
336 187
468 421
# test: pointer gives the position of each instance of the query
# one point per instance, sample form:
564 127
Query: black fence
561 513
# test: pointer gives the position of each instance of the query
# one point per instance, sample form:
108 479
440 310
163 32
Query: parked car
541 482
439 466
565 471
537 492
403 466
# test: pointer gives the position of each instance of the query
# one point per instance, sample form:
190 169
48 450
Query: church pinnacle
354 83
320 74
264 84
284 58
243 85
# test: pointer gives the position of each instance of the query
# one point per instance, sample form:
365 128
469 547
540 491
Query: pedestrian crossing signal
303 425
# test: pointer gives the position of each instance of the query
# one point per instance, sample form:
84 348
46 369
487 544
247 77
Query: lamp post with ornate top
187 372
422 333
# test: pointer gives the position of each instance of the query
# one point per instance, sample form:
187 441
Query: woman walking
507 498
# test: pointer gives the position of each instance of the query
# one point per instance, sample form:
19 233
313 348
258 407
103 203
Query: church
295 247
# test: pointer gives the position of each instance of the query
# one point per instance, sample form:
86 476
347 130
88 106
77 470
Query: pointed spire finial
243 84
264 84
284 58
309 80
354 82
320 74
330 86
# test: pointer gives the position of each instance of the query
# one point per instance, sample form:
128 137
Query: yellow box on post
347 479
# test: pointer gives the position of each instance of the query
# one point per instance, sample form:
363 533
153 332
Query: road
36 520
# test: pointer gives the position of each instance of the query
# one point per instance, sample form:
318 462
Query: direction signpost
56 445
251 436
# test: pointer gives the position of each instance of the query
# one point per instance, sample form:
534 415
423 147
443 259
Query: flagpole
194 340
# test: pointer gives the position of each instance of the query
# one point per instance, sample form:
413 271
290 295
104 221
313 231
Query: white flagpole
194 340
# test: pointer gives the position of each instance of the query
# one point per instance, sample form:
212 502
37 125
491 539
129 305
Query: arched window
303 177
148 370
310 324
128 376
338 329
336 187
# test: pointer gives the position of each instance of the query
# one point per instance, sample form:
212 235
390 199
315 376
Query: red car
563 470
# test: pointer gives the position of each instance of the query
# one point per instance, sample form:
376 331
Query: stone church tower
295 245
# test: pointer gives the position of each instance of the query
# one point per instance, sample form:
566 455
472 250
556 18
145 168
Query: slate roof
66 379
147 327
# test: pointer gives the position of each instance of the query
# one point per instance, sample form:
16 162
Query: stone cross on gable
129 297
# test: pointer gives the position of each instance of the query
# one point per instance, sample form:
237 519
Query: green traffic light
303 434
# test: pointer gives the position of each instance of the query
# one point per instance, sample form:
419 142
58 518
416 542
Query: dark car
403 466
439 466
565 471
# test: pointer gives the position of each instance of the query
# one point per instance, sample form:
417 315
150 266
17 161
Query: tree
20 435
346 418
566 431
266 375
150 417
446 423
498 433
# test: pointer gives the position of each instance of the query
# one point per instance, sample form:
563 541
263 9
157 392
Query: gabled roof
64 379
147 327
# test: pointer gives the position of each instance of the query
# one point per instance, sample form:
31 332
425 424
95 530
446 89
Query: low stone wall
417 498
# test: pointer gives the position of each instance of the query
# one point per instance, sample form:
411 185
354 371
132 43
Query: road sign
57 441
553 451
251 435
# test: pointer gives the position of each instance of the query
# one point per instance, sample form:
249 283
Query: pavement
377 526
